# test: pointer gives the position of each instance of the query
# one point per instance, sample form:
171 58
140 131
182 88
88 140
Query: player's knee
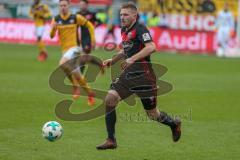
111 100
63 61
65 67
87 50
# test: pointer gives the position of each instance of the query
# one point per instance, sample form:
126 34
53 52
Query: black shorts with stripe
137 79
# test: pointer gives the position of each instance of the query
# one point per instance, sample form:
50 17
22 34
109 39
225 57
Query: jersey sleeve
144 35
81 20
53 28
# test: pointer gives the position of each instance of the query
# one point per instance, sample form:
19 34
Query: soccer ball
52 131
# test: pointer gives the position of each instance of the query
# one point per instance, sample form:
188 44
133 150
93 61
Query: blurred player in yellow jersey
66 24
40 14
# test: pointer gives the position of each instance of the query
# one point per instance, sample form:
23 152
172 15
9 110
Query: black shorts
86 44
137 79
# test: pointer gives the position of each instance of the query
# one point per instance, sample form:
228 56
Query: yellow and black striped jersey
67 27
40 13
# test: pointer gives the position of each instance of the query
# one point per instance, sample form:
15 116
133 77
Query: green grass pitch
206 94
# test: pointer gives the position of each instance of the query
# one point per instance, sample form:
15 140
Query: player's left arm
84 22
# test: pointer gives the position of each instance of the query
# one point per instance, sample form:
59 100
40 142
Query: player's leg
67 69
219 51
153 113
146 89
111 102
226 37
119 91
77 79
67 65
222 39
41 46
83 83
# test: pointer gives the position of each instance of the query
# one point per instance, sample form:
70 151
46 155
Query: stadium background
205 94
187 26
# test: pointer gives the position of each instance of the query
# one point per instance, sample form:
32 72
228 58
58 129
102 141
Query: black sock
110 120
166 119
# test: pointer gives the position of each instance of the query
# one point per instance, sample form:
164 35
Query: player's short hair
129 5
64 0
86 1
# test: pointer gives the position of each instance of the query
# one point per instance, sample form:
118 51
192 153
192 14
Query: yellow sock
74 81
84 85
41 46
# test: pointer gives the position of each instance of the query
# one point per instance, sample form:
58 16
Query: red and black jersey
134 39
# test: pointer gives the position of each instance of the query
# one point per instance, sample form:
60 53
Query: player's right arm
119 56
53 28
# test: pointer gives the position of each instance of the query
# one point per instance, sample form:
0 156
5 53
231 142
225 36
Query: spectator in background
143 18
163 21
153 21
102 16
4 12
208 6
224 28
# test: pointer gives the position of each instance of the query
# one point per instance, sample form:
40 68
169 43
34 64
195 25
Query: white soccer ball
52 131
